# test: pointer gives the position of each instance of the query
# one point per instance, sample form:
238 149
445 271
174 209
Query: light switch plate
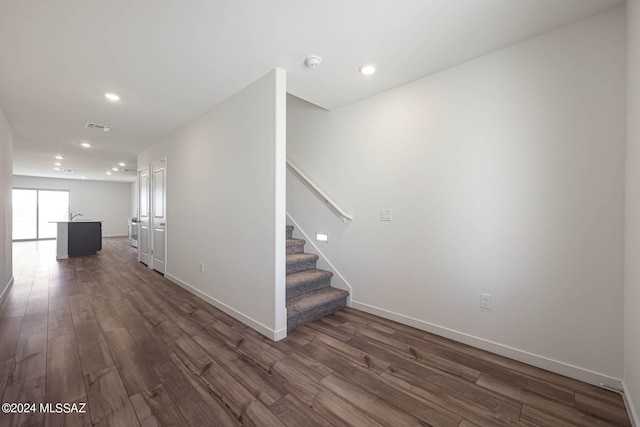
385 214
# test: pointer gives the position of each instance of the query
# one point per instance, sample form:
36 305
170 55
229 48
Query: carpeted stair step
306 281
295 246
314 305
301 262
289 231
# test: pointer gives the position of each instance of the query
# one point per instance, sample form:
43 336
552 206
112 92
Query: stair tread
296 242
289 227
307 276
293 258
313 299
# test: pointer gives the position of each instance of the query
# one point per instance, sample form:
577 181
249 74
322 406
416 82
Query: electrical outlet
485 301
201 267
385 214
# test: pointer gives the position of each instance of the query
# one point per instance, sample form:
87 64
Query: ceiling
173 60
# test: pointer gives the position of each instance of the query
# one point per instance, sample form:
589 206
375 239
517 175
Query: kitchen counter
78 238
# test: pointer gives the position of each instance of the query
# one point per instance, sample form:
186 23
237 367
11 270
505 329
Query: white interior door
143 216
158 215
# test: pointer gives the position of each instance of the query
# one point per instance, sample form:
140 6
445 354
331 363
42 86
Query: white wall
505 175
226 206
6 166
104 201
133 200
632 266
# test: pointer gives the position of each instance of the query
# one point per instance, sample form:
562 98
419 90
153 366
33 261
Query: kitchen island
78 238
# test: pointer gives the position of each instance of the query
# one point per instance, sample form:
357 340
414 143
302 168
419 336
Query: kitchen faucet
72 215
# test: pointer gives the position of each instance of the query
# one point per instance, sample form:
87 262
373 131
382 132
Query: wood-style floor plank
420 354
154 407
601 409
31 391
131 362
92 347
255 380
535 417
9 333
60 319
327 404
31 355
430 410
64 381
293 413
108 399
372 405
557 409
16 302
31 349
489 367
107 331
195 401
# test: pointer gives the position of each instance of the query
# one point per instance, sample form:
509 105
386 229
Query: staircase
309 292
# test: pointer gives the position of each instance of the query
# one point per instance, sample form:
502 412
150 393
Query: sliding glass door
52 206
25 214
33 209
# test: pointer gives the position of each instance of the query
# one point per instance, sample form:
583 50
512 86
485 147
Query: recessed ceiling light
112 96
59 157
108 172
56 169
123 164
114 169
368 69
58 164
83 177
86 145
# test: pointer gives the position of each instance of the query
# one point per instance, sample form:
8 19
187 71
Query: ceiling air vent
97 126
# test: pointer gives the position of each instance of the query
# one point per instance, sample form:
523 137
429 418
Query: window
34 209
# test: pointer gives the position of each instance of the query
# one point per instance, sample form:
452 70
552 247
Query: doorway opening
33 210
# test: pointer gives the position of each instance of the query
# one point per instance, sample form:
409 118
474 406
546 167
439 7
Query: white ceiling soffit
172 60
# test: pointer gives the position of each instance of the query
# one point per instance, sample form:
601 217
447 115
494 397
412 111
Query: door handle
162 223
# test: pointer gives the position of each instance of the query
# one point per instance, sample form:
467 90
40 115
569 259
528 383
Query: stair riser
295 249
315 314
304 288
301 266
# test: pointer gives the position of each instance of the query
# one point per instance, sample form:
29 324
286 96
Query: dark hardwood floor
138 350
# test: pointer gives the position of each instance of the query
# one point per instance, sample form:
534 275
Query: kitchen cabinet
78 238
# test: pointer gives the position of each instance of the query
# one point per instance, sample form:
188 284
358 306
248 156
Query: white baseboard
568 370
114 235
631 409
6 290
275 335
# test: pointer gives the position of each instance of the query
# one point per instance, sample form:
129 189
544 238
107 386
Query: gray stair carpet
309 292
295 246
